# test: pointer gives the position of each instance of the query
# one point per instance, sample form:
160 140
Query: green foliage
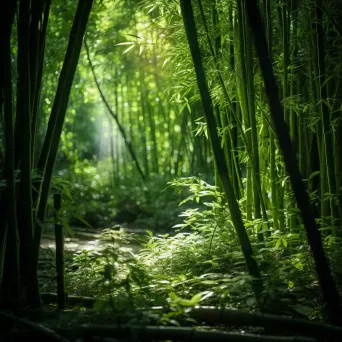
92 197
143 64
201 266
111 273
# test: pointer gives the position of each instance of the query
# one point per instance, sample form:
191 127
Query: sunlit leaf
166 61
129 49
125 43
141 49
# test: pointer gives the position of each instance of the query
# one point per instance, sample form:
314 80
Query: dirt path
81 239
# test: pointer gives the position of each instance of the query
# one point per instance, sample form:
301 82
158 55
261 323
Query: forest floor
85 238
79 239
82 314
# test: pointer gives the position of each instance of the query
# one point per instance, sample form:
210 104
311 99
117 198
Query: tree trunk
55 126
328 285
191 33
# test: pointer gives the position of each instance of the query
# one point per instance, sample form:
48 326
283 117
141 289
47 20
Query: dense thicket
110 109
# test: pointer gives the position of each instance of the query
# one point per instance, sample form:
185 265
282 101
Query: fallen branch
212 315
233 317
173 333
42 331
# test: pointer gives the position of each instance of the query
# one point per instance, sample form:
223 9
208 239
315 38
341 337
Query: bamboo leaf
190 302
313 174
206 295
134 35
81 219
129 49
141 49
151 9
166 61
125 43
67 192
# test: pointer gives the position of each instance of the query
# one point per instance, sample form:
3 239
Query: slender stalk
55 126
191 33
328 285
253 125
9 236
327 160
25 202
37 72
114 115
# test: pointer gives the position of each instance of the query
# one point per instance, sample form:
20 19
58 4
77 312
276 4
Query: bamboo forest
171 170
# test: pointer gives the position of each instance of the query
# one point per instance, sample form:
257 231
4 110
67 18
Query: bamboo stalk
327 160
24 152
55 126
191 33
9 238
60 264
328 285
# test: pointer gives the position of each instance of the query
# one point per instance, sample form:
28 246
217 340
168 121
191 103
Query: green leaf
67 192
166 61
191 302
298 265
129 49
205 295
125 43
180 225
151 9
313 174
67 227
188 106
173 296
134 35
141 49
81 219
149 233
208 282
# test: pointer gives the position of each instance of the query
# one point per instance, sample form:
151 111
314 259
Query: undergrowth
199 263
90 192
